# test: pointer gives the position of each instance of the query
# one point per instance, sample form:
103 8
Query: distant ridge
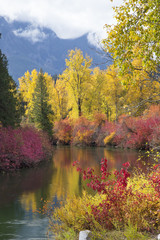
49 53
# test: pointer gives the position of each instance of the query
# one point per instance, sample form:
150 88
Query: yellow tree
137 26
95 98
142 90
61 99
114 92
27 85
77 78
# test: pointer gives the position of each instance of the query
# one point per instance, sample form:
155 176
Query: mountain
45 51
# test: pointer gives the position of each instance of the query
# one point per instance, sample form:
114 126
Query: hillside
48 53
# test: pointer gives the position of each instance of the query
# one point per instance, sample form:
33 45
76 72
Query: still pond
21 192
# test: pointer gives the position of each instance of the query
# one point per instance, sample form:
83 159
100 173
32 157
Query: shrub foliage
120 201
129 132
22 147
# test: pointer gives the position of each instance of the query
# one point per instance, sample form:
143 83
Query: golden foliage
109 138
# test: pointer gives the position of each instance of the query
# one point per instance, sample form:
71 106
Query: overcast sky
67 18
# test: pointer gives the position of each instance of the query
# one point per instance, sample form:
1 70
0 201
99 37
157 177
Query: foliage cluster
83 132
63 131
82 91
22 147
139 132
120 202
135 35
129 132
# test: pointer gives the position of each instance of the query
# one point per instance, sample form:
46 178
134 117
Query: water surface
21 193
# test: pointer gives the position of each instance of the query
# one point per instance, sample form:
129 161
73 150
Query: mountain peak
29 46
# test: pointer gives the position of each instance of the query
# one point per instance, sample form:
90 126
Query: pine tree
9 114
41 108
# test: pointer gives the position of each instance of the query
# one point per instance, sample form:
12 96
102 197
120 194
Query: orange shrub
63 131
83 132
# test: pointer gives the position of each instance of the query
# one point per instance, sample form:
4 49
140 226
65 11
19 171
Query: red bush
22 147
114 189
120 203
130 132
155 178
138 133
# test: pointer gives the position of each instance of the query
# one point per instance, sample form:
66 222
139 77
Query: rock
85 235
158 237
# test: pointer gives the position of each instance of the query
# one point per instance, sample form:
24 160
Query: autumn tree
77 78
37 90
27 85
141 91
95 99
61 100
135 35
114 92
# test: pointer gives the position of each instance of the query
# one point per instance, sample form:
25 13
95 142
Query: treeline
122 93
83 91
85 106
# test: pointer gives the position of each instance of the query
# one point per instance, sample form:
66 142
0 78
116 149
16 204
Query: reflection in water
28 201
16 218
21 192
67 181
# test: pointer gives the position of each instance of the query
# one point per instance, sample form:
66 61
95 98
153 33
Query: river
23 192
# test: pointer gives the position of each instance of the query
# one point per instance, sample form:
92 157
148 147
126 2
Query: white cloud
32 33
67 18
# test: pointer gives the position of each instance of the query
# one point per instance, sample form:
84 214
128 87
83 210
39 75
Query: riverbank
128 234
124 205
141 132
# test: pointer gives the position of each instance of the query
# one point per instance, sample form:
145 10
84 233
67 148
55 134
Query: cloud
67 18
32 33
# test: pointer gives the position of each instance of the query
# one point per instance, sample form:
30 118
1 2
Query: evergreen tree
41 108
9 113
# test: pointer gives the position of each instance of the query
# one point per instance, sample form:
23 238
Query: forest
86 106
83 106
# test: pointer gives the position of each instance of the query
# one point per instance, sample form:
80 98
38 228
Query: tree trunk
79 107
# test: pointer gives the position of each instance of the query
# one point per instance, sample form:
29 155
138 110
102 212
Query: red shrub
155 178
121 204
31 148
83 132
22 147
124 129
114 189
137 132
